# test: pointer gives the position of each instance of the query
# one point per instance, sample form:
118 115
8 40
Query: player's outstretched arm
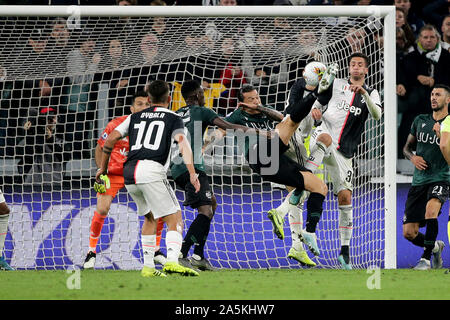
225 125
186 152
271 113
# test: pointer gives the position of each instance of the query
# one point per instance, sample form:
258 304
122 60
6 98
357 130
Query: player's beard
438 108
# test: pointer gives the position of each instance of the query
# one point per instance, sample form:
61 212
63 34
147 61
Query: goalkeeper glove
103 186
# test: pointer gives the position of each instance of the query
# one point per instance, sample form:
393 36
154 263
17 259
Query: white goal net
85 70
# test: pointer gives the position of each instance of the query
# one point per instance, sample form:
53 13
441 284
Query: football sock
345 224
315 159
159 229
204 225
302 107
345 252
419 240
430 237
3 230
314 207
173 245
96 229
295 224
148 249
284 207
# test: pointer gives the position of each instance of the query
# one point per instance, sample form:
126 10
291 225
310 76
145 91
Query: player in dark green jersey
267 158
430 185
196 119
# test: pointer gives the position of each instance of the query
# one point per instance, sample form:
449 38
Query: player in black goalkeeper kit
430 185
152 129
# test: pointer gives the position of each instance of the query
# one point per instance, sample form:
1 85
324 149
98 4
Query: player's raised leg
4 218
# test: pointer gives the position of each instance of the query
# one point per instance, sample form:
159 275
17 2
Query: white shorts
338 167
2 197
157 197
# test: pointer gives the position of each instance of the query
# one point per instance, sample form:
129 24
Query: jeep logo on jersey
346 107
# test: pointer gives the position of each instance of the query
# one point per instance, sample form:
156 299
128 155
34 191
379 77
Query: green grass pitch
274 284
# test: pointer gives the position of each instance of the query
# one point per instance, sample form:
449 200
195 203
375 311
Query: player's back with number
151 134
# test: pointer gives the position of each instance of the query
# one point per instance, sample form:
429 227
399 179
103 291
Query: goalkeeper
112 183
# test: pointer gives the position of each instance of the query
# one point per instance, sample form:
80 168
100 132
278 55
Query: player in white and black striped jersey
348 104
152 129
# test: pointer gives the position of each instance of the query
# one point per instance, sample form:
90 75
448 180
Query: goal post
49 227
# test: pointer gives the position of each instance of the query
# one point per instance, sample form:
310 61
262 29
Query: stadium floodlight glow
49 228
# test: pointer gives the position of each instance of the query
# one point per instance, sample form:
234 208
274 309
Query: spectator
356 39
42 153
149 48
268 70
228 3
81 64
445 42
231 76
126 2
158 3
401 52
435 12
426 65
415 22
114 64
60 35
400 17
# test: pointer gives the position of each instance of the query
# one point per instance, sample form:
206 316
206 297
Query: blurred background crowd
52 119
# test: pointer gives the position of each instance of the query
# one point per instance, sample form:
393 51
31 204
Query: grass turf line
274 284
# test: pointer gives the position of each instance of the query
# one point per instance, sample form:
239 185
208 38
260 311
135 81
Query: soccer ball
313 73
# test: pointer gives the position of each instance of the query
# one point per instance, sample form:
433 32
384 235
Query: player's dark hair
359 55
139 94
189 88
442 86
158 91
245 88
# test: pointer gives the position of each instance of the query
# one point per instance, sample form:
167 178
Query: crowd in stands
78 65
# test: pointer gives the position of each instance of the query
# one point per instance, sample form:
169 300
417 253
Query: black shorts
418 197
287 171
193 199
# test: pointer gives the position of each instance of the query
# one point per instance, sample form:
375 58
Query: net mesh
86 75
